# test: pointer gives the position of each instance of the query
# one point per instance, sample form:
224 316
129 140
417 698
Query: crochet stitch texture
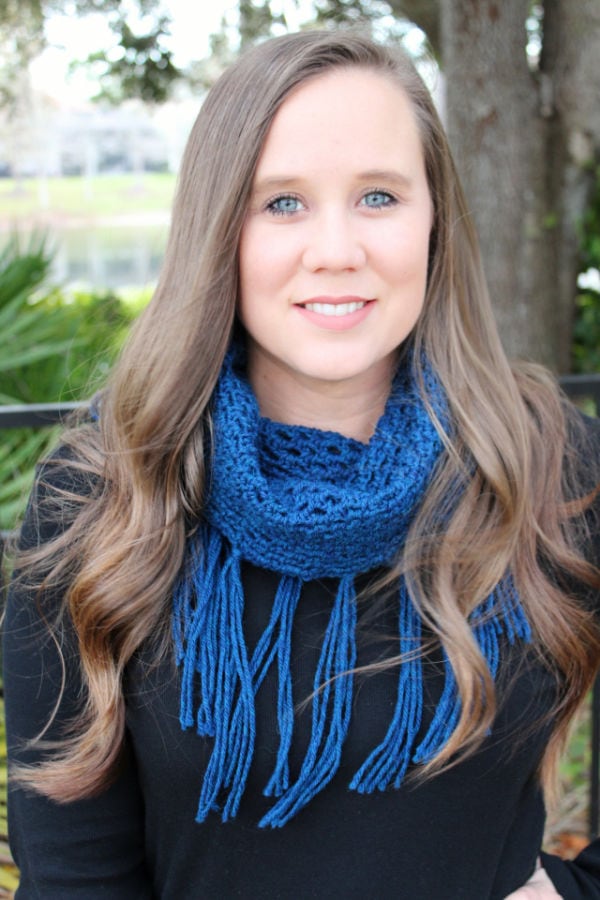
314 503
310 504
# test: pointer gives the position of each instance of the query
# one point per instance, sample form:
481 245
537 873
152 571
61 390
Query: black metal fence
578 387
35 415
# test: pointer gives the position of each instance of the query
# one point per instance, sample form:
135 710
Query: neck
350 407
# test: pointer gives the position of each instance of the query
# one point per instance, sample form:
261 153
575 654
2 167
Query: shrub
54 345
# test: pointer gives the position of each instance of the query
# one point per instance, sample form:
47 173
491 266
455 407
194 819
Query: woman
306 603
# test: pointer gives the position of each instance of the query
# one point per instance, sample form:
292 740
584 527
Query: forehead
348 114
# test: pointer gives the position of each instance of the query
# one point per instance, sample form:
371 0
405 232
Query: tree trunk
569 65
524 142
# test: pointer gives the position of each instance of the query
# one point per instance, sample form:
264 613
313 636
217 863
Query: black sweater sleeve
92 848
578 879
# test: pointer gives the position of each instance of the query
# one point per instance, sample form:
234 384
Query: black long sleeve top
472 832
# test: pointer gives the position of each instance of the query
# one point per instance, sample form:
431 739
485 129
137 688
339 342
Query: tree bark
524 142
569 68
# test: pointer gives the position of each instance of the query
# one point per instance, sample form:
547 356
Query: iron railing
41 415
35 415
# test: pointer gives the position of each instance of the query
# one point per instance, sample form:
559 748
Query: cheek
258 261
403 259
267 268
255 280
413 260
252 290
246 256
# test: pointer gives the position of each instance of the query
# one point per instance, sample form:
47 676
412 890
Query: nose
333 243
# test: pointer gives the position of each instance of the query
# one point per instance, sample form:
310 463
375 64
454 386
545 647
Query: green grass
102 196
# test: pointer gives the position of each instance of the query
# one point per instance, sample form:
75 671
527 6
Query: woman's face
334 248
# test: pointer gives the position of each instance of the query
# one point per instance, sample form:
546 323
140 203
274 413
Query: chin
334 374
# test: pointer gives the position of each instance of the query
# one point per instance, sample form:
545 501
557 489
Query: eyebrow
386 175
373 175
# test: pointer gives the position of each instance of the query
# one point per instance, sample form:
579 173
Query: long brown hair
145 462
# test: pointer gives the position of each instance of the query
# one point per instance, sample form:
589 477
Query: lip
339 321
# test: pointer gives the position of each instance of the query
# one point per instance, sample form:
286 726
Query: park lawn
104 196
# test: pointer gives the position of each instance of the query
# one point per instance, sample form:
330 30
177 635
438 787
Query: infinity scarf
310 504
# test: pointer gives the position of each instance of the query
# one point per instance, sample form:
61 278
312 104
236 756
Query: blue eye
284 205
378 199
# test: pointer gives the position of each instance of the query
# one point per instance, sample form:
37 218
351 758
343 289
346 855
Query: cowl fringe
219 682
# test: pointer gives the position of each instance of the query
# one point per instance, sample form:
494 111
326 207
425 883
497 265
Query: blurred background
97 98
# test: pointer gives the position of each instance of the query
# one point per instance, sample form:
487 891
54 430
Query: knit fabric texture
310 504
314 503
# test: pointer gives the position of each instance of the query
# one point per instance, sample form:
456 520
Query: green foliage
53 346
256 21
27 335
586 327
347 12
138 67
20 448
380 19
591 230
21 39
586 333
91 327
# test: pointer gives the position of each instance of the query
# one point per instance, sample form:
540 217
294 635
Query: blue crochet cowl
310 504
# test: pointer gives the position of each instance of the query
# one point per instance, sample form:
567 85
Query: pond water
108 256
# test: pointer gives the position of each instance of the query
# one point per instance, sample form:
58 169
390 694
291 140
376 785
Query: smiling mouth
335 309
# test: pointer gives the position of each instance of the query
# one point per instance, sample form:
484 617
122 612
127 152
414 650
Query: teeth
335 309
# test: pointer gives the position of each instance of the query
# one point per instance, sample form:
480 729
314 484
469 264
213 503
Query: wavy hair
145 463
